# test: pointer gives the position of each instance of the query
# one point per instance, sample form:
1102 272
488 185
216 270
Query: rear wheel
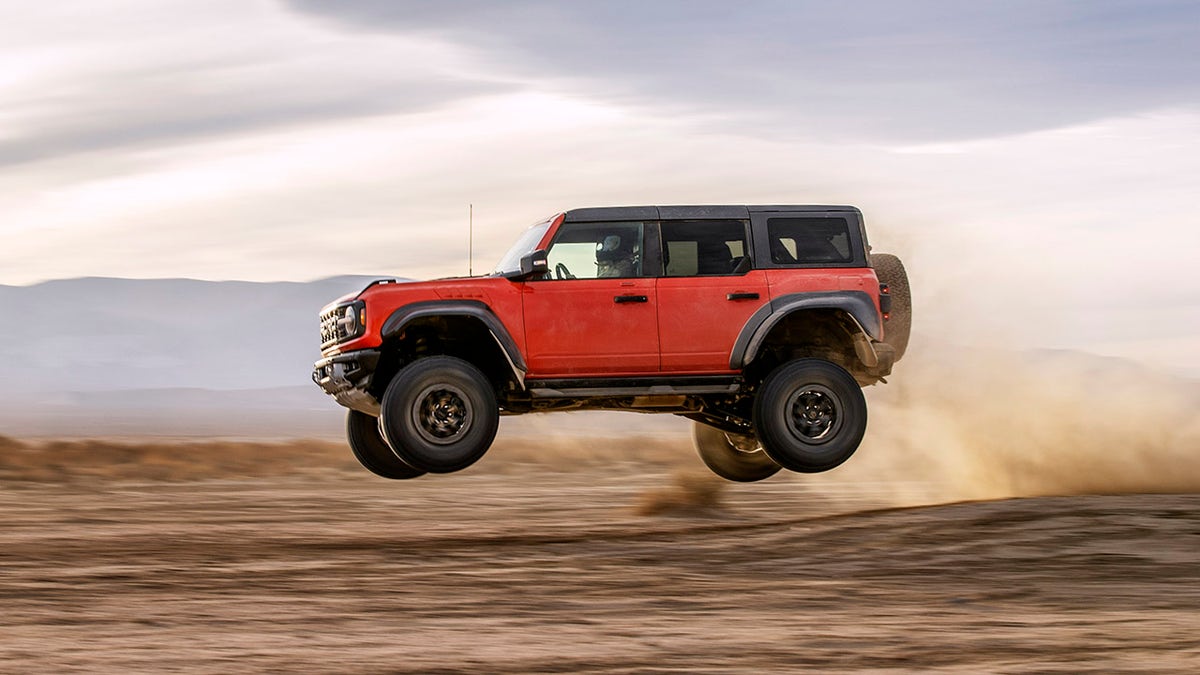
733 458
810 415
890 271
369 448
440 414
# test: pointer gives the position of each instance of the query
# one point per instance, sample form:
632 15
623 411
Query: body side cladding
857 304
470 308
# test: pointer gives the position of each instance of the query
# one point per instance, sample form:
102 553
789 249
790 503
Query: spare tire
890 271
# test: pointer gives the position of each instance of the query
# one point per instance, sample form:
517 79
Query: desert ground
1001 516
616 557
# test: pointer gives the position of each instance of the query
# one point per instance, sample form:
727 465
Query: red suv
759 323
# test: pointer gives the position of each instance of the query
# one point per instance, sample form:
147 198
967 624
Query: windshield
511 262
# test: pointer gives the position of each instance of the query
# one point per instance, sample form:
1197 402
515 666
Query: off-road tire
890 271
369 448
723 458
440 414
810 415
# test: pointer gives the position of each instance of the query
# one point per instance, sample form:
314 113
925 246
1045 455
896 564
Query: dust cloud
986 424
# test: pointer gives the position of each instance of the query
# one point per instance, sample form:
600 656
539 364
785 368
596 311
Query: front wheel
369 448
742 461
440 414
810 415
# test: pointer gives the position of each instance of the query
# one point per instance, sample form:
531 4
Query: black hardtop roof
699 212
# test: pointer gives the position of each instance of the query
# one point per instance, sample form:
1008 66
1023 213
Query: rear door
596 312
706 294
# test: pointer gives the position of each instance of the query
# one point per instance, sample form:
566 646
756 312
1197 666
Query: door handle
631 298
741 296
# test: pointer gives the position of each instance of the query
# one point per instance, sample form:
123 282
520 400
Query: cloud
148 76
930 70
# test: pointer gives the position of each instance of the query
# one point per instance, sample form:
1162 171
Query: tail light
885 301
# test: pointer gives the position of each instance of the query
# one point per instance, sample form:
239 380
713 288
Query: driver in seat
616 258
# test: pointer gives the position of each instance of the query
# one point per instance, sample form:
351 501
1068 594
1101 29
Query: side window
596 251
703 247
809 240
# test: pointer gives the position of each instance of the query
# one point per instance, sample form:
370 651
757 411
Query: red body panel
787 281
578 327
698 322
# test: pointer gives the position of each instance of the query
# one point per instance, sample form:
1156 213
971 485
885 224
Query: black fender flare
858 304
475 309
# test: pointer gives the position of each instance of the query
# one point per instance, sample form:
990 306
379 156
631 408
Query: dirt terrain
1003 515
581 566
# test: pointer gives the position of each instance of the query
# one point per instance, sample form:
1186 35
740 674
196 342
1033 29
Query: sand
519 566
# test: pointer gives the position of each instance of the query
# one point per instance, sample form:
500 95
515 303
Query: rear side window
809 240
703 247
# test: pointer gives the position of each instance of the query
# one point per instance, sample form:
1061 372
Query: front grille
333 330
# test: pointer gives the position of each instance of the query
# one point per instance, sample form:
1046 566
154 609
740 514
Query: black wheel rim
442 414
814 414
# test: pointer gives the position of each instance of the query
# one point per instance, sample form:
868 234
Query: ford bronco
758 323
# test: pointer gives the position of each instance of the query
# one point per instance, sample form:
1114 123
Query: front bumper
347 378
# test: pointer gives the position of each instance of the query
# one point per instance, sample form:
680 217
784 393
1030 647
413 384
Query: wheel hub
442 414
814 415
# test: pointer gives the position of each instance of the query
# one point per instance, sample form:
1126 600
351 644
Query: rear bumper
347 378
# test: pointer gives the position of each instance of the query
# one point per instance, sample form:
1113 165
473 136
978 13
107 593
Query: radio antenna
471 240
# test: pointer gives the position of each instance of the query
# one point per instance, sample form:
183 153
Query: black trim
606 213
857 304
703 212
472 308
652 260
633 386
367 357
737 355
694 212
804 208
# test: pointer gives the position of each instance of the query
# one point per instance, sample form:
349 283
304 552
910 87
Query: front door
595 314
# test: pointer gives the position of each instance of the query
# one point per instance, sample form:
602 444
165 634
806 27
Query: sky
1036 164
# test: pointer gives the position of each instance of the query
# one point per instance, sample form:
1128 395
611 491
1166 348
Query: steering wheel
561 272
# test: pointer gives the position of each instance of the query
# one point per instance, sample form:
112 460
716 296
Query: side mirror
532 265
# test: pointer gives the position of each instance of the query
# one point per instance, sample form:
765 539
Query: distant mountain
101 334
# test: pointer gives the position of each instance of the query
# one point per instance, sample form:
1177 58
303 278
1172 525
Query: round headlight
349 321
